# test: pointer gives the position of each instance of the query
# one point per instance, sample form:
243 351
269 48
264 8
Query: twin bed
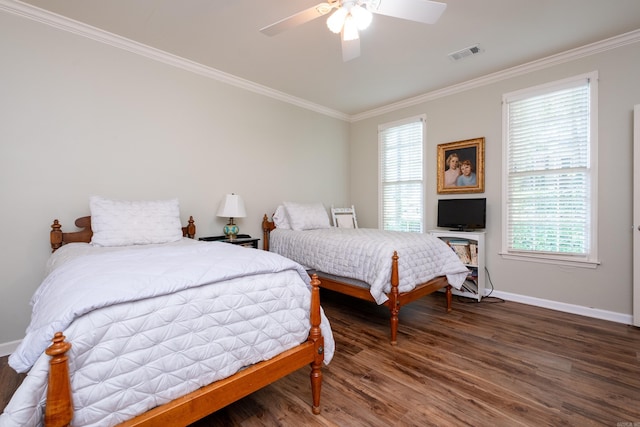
162 332
385 267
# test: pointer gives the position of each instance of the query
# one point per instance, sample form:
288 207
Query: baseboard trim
8 347
595 313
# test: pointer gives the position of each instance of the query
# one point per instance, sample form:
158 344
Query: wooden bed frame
58 238
396 298
206 400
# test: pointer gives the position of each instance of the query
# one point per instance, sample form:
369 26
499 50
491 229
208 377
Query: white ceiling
399 59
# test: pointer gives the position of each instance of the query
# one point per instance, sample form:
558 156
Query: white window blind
401 175
549 197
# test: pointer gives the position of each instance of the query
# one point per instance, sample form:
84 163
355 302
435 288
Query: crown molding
550 61
34 13
46 17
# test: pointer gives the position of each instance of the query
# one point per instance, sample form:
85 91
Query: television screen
462 214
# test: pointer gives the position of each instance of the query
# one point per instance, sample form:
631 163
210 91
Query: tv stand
461 241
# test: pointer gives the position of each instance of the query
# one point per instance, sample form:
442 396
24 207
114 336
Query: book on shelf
473 249
462 249
470 286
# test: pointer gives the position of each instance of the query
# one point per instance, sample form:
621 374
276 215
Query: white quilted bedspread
365 254
142 340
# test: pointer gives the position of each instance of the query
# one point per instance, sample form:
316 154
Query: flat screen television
462 214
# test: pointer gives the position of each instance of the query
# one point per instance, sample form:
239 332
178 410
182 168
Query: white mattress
140 341
365 254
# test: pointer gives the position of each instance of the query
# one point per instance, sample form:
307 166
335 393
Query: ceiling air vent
464 53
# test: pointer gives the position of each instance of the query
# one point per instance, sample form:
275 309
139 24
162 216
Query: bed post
267 226
56 235
190 230
394 298
59 408
315 335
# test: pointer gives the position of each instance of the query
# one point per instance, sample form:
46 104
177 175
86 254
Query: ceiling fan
352 16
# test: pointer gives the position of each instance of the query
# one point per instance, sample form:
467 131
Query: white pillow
280 218
124 223
307 216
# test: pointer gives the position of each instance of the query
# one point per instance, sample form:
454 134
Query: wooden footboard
208 399
396 298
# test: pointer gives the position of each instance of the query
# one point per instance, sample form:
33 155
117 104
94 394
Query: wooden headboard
59 238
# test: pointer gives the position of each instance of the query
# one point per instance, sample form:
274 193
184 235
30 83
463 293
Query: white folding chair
344 217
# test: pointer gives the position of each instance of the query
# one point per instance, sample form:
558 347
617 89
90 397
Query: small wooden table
241 240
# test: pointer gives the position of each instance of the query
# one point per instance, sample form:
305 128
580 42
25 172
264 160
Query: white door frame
636 215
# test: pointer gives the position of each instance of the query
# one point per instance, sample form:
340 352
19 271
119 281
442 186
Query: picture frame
470 155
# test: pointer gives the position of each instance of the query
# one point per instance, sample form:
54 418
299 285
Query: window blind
548 206
401 175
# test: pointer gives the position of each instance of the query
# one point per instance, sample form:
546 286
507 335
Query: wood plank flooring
492 363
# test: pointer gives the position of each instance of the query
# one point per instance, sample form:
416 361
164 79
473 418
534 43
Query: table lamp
231 207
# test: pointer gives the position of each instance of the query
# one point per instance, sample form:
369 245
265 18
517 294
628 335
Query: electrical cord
488 299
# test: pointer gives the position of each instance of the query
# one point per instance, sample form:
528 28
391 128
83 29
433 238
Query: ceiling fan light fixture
362 16
352 16
350 29
337 19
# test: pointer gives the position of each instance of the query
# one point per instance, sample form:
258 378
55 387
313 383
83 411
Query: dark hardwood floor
485 364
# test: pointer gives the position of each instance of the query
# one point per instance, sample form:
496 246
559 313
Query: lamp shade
232 206
350 29
336 20
349 18
362 16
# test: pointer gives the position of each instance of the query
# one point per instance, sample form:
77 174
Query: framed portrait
461 167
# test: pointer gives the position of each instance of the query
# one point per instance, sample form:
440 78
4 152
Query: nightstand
242 240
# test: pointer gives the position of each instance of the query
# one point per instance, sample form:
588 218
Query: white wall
477 113
79 118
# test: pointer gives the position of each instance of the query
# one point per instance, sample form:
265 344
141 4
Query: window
400 151
550 174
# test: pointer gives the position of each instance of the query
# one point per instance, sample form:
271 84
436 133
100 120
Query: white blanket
141 340
365 254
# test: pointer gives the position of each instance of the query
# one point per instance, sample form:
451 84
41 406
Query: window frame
589 260
422 118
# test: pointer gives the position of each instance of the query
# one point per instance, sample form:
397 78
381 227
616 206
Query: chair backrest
344 217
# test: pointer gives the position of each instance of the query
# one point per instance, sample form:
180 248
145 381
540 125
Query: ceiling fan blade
424 11
297 19
350 49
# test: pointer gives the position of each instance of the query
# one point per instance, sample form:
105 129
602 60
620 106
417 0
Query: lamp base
231 230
